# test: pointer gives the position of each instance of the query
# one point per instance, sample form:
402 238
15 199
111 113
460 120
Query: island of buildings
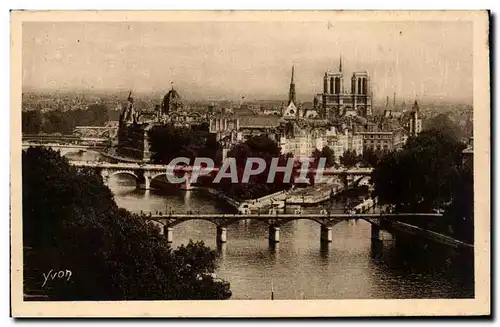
340 118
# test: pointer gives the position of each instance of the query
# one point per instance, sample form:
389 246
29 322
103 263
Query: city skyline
231 60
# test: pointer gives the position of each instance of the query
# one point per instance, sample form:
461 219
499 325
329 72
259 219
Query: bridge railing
198 214
193 168
102 164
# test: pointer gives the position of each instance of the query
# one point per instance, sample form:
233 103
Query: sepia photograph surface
255 164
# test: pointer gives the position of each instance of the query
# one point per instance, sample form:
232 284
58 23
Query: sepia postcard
250 163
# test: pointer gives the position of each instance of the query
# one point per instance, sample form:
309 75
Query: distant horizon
301 98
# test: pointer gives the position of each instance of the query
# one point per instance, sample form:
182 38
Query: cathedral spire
291 93
415 106
340 64
129 112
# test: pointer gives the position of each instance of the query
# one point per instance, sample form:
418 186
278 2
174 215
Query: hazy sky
252 59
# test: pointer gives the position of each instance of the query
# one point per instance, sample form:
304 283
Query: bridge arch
363 180
198 218
194 114
186 183
158 174
338 179
330 222
175 115
78 132
123 172
165 222
89 133
66 152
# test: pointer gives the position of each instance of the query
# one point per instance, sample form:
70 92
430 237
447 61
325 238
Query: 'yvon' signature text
61 274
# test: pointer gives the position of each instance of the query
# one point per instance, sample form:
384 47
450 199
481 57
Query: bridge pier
274 234
105 177
326 234
375 231
186 185
345 180
221 235
221 249
144 182
169 234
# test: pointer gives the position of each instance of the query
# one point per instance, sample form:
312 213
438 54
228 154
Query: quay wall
405 228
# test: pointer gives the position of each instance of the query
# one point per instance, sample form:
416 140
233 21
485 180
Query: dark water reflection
351 267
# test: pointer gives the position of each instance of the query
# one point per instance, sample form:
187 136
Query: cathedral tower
337 102
333 88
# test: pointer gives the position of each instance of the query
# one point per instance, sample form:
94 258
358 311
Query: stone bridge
145 173
42 139
65 149
378 221
103 132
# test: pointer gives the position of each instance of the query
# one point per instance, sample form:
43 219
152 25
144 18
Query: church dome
171 101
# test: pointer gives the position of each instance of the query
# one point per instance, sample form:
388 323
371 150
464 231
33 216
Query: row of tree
428 175
349 158
71 223
64 122
168 142
256 147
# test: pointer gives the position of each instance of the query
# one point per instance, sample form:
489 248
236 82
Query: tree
240 152
349 158
168 142
316 154
56 122
263 146
71 222
31 122
98 114
446 126
370 157
422 175
428 174
459 215
326 153
258 147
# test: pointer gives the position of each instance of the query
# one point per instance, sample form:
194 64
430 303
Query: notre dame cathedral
335 101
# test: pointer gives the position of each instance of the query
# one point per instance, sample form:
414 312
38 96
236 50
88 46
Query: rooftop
259 121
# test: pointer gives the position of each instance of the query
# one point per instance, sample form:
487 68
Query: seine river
351 267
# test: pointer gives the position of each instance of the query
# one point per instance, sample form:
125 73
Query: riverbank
370 204
246 205
312 195
431 235
219 196
296 198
